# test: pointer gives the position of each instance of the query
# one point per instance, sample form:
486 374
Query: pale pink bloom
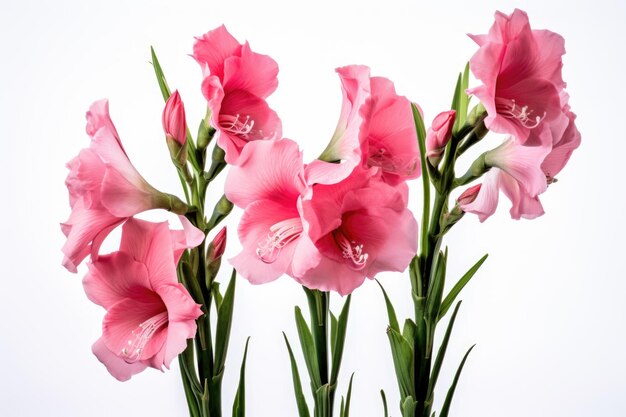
361 227
344 152
388 136
439 134
236 83
516 170
563 145
105 189
520 70
268 184
150 315
174 124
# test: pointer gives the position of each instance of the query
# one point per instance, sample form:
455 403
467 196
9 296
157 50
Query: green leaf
303 408
333 331
217 296
322 401
391 312
158 71
440 356
384 398
408 407
409 331
435 292
308 350
447 302
402 354
192 401
346 411
224 322
421 139
464 103
445 409
239 404
337 351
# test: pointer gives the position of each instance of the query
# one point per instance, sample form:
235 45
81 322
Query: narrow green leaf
217 296
322 401
205 401
224 322
239 404
421 139
346 412
333 331
384 398
440 356
308 350
165 90
188 370
435 292
337 351
445 409
464 98
455 97
391 312
409 331
408 407
192 401
447 302
342 406
303 408
402 354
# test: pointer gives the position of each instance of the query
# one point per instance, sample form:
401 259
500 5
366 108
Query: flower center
388 163
281 234
237 125
351 251
141 336
511 110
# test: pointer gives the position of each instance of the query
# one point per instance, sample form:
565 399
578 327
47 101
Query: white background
546 311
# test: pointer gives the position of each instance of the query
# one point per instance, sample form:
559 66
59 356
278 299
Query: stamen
141 336
281 234
236 126
510 110
351 251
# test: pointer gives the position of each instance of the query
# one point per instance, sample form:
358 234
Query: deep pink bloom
236 83
174 124
149 315
520 70
361 227
105 189
388 137
268 184
344 153
469 195
439 134
219 244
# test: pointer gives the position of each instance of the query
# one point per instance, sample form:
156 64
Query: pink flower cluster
523 92
149 314
330 223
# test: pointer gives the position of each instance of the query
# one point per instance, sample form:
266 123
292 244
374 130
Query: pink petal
253 73
114 277
214 47
267 170
330 275
123 198
486 201
188 238
117 367
523 204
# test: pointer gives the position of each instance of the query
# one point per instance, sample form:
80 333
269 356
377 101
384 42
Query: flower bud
174 119
438 135
468 196
214 256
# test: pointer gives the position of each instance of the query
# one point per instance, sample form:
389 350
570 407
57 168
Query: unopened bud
438 135
221 210
468 196
174 124
214 256
218 163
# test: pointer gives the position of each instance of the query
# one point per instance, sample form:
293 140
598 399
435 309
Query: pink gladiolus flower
521 73
361 227
388 136
149 315
174 124
439 134
236 83
105 189
268 184
344 153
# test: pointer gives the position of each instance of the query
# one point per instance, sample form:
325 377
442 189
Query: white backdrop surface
546 311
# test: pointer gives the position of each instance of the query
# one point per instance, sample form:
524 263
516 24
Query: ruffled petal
117 367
